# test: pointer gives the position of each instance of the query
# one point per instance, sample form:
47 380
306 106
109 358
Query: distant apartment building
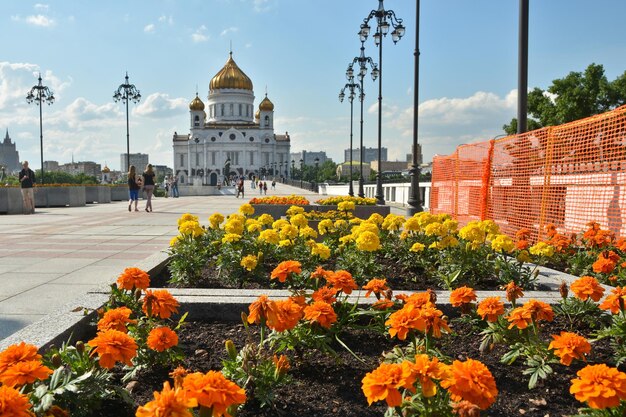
74 168
420 157
391 166
369 154
139 160
163 170
308 158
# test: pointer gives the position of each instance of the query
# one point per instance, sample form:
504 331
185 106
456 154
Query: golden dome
257 115
231 76
196 104
266 104
106 170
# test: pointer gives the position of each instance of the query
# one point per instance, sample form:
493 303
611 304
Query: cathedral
227 138
9 156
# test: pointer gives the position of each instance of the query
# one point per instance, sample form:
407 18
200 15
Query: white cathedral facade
227 137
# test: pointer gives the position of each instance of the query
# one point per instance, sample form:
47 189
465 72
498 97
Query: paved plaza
58 254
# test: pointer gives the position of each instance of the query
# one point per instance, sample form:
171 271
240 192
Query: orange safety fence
565 175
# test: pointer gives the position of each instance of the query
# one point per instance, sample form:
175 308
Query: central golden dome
230 76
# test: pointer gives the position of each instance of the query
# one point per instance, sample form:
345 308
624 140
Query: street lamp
414 203
293 167
280 168
40 94
363 62
301 171
351 86
317 163
126 92
196 140
385 19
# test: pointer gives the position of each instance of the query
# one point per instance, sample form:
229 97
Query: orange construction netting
565 175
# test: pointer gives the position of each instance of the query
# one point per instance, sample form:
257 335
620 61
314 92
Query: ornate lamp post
351 86
196 140
385 19
415 206
317 164
301 171
363 62
126 92
293 167
280 168
40 94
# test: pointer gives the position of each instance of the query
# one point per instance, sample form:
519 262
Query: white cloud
261 6
200 35
168 19
40 20
231 29
42 7
149 28
160 105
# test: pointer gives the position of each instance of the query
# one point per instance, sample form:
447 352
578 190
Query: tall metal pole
127 132
522 82
40 94
350 189
414 204
41 134
380 198
361 191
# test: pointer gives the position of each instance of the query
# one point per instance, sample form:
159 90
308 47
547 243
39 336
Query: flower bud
137 294
100 312
56 360
432 296
231 350
563 290
80 346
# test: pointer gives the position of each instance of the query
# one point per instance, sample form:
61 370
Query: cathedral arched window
267 121
196 120
240 108
232 112
222 110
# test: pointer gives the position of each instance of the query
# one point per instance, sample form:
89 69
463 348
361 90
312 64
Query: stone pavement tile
91 275
58 265
93 255
130 256
7 268
10 323
20 261
13 283
121 264
42 299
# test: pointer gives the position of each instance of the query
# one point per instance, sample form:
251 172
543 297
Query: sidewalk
58 254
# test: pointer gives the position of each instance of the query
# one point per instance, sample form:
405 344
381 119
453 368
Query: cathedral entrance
213 179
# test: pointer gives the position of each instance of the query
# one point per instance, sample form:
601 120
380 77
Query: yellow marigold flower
472 381
447 242
523 256
174 240
424 218
293 210
368 241
376 218
393 222
234 226
321 250
246 209
299 220
285 243
254 226
568 346
489 227
215 220
231 237
599 386
412 224
417 247
288 231
472 232
435 229
345 206
365 226
191 228
502 243
356 221
187 217
308 232
451 225
542 249
279 224
249 262
266 219
269 236
325 226
340 224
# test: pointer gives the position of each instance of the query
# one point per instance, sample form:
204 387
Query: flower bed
359 201
292 200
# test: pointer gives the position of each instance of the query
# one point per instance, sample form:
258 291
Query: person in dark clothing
27 180
265 187
134 185
240 184
148 185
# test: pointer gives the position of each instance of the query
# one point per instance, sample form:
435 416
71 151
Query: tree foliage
576 96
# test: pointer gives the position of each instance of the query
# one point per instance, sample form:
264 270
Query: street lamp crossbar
40 94
127 92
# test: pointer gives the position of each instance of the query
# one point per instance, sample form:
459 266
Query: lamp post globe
40 94
127 92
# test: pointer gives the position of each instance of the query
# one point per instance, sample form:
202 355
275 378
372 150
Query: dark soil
324 385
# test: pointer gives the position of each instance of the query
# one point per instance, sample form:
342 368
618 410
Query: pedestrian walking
27 180
166 186
265 187
175 187
148 185
273 184
134 185
260 187
240 185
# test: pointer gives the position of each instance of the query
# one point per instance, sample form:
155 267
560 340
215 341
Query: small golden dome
196 104
266 105
230 76
257 115
106 170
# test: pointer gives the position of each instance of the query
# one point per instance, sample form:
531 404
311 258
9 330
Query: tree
576 96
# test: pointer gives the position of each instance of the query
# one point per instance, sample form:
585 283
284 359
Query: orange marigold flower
285 268
606 262
550 230
434 322
376 286
383 304
213 390
599 386
116 319
320 312
25 372
287 315
168 403
320 273
262 310
13 403
621 244
418 299
520 318
522 244
490 308
471 381
539 310
343 281
603 238
282 364
615 301
513 292
587 287
461 296
425 370
114 346
325 294
133 278
402 321
568 346
178 375
523 233
465 409
384 382
159 303
21 352
56 411
162 338
299 299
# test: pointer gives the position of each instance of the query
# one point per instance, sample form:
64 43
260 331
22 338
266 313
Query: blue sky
299 50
